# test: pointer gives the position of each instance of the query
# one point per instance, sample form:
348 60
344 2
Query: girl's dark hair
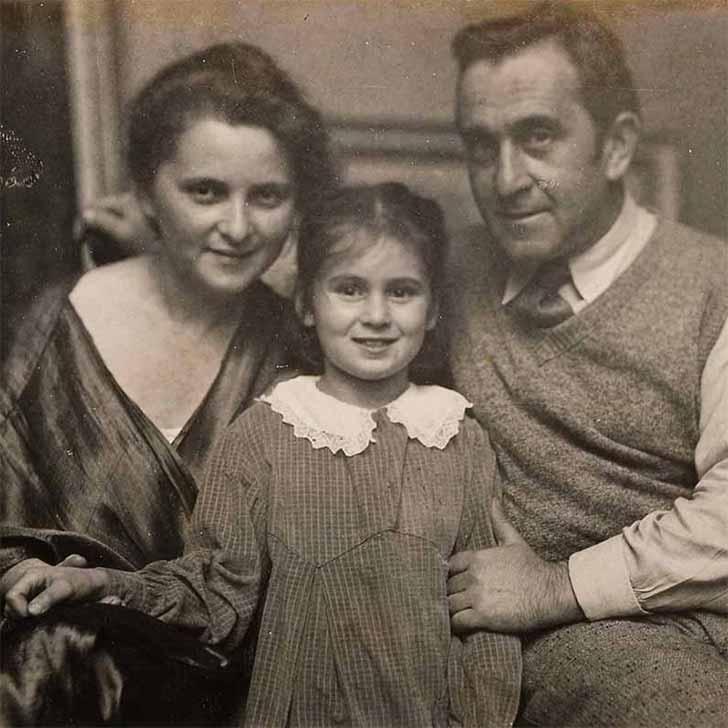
239 84
389 209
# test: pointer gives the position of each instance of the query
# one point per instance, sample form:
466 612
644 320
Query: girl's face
224 205
371 306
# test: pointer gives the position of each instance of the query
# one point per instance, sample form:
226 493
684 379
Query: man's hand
41 586
121 218
509 588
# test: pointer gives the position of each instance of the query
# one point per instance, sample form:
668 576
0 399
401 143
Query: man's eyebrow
535 121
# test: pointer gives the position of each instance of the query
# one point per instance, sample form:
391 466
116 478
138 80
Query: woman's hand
12 575
121 218
41 586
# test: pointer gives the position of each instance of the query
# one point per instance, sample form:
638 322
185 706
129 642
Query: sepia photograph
364 363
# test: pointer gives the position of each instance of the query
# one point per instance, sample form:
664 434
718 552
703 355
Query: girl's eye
403 292
404 289
349 290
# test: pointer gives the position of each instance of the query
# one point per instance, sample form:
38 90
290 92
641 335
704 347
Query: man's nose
235 222
511 174
376 310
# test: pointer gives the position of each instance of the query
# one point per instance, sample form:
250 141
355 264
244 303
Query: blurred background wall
380 69
389 60
37 181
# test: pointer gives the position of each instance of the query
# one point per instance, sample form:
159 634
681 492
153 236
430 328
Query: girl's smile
371 306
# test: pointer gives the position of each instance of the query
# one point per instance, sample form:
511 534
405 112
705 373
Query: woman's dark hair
238 84
607 86
370 212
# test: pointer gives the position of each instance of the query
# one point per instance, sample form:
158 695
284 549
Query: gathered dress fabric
340 565
84 471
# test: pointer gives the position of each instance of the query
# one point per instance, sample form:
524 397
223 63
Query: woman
122 380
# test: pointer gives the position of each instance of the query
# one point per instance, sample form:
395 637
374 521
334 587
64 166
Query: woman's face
224 204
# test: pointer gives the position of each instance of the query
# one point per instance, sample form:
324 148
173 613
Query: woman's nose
235 223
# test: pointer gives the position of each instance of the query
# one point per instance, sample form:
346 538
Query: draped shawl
82 469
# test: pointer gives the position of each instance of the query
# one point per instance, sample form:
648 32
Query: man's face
534 157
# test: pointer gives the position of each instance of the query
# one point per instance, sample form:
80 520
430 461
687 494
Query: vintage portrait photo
364 363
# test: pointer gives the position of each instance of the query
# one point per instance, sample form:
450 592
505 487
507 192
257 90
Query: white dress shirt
678 558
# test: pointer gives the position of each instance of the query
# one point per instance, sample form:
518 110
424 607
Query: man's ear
620 144
433 315
302 311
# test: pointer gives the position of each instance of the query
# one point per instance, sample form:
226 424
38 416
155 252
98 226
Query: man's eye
538 138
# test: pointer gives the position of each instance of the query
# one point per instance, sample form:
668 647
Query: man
591 336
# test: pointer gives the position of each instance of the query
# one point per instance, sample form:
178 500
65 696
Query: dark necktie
539 302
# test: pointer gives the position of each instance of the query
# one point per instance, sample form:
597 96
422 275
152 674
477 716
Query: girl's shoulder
431 414
250 439
259 419
318 418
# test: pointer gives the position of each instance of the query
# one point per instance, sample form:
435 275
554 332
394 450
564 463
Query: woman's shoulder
109 285
111 301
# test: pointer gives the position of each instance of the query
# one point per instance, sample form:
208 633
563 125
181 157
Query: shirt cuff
601 581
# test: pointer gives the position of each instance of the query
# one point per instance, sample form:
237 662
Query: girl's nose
376 311
235 224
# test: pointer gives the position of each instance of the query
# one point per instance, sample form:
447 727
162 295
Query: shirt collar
593 270
430 414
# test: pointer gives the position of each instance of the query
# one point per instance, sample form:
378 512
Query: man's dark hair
607 87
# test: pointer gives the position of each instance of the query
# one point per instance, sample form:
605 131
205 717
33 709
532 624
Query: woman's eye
204 193
269 196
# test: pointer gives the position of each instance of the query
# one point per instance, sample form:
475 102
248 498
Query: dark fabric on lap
120 667
613 673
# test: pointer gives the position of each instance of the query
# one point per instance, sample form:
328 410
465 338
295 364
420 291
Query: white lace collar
430 414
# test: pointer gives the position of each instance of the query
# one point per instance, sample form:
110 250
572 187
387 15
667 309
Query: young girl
332 505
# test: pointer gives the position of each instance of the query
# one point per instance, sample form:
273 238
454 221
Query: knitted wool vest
595 421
